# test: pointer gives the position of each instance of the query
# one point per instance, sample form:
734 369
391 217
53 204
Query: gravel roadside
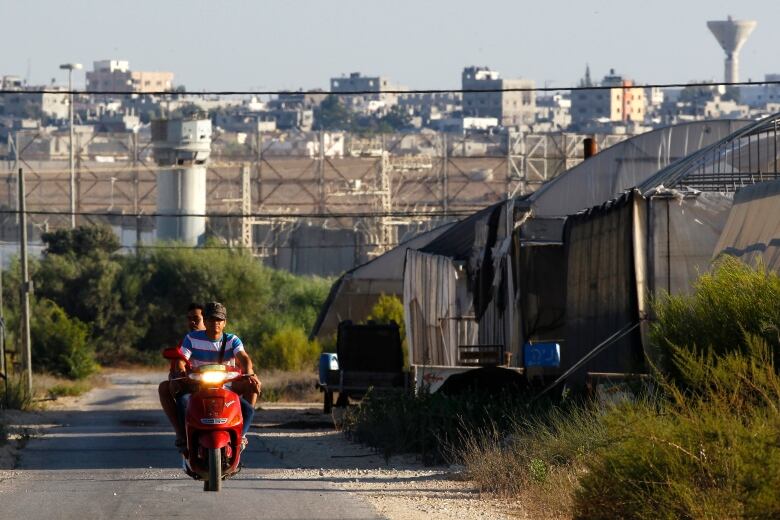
399 488
309 448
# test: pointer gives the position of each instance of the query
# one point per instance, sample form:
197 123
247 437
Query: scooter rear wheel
214 483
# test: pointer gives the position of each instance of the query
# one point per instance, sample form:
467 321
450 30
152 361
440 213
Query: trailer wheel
328 402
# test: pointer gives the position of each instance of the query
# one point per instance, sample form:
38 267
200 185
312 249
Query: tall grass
537 459
728 302
15 395
711 450
431 425
706 445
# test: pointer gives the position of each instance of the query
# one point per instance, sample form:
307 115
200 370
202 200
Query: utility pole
321 176
26 284
3 370
2 331
136 193
508 181
246 207
16 166
445 188
70 67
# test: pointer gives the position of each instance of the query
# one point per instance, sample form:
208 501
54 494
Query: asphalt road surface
113 458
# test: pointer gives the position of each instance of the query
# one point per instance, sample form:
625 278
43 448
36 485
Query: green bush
70 390
288 348
705 444
711 451
60 343
732 300
432 425
15 395
387 309
135 305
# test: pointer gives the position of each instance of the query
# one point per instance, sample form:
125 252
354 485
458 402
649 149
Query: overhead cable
391 91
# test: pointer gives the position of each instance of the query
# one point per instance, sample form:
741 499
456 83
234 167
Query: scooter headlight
213 377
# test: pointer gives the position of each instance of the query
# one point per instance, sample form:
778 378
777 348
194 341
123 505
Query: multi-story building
620 102
431 106
308 99
510 107
373 88
34 105
759 95
116 76
552 112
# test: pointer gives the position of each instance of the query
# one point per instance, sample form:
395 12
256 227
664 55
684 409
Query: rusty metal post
590 147
26 284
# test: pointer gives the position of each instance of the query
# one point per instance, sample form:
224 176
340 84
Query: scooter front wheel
214 483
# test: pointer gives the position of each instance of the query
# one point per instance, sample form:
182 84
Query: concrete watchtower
181 150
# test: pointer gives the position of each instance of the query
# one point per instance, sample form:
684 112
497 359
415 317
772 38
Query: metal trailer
368 356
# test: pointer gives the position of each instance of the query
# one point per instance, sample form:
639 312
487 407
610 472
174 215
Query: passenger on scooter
203 347
165 390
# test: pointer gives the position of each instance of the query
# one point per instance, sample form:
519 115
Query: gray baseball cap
215 310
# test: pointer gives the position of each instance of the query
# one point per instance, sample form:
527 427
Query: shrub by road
702 442
93 304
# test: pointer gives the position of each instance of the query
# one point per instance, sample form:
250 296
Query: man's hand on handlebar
255 381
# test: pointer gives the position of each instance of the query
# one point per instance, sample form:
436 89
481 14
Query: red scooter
213 423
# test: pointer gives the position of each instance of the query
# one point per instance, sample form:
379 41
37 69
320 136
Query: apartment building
511 108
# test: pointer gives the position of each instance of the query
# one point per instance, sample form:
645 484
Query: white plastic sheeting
354 294
684 231
752 231
616 255
625 165
437 309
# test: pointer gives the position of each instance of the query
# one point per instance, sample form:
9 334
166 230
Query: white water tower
731 35
181 150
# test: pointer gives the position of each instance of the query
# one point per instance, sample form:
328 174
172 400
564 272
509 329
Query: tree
390 309
333 115
60 343
397 118
84 240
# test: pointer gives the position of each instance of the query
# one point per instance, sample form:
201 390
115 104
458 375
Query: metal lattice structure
346 178
747 156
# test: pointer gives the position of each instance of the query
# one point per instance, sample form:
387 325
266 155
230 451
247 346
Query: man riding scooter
203 347
165 390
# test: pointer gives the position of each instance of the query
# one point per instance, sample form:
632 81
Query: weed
710 450
282 386
3 432
15 395
69 390
431 425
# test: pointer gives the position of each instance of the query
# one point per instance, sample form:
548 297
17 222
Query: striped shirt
199 349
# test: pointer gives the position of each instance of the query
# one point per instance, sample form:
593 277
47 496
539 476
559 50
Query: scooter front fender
214 439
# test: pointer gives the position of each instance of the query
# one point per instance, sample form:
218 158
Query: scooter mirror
173 353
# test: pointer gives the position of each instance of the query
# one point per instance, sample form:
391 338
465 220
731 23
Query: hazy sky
233 44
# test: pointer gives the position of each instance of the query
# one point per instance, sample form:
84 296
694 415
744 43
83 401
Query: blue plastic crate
543 354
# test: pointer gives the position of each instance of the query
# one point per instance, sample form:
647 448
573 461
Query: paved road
114 459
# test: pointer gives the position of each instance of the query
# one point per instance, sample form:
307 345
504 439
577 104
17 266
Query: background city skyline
283 45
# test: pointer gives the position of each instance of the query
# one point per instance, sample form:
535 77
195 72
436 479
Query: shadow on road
102 440
129 439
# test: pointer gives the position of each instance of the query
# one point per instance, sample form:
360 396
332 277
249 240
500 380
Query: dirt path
399 488
300 446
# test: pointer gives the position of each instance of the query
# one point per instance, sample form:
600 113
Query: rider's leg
247 413
168 404
181 404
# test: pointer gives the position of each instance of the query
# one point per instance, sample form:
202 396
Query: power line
393 91
254 247
377 214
